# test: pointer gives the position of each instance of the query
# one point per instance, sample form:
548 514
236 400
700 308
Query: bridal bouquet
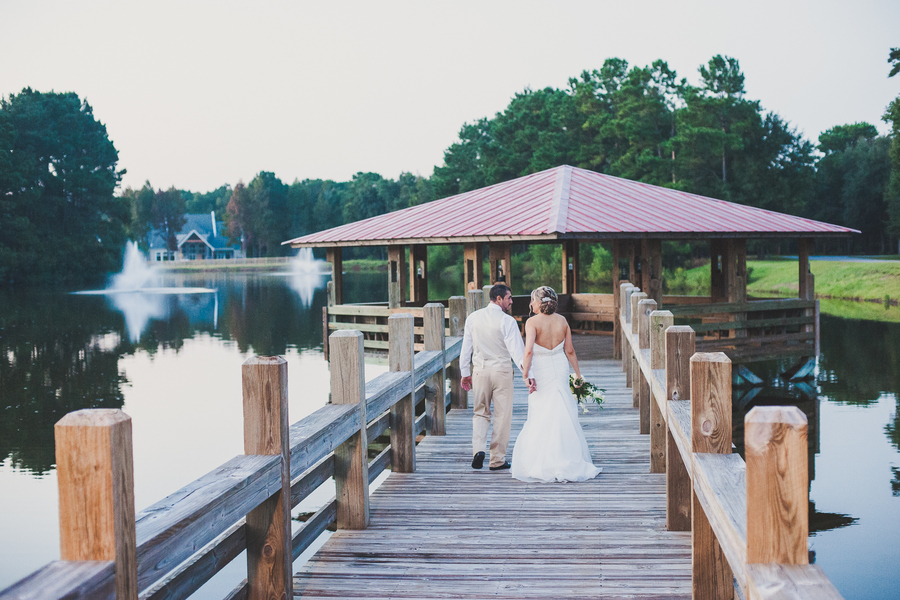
586 392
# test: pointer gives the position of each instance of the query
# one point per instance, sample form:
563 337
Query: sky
199 94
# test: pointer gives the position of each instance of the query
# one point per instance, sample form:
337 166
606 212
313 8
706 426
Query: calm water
173 364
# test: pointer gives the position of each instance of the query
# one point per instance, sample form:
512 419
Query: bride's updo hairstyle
547 297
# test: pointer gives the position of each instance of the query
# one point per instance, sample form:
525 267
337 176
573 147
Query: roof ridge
559 206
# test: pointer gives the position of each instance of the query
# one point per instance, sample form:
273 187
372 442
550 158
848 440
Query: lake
172 362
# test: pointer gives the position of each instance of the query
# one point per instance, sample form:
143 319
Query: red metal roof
566 202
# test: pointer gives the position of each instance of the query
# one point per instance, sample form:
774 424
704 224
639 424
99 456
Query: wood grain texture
712 577
789 582
335 257
775 439
95 473
711 402
401 358
348 386
473 267
448 531
679 349
474 301
434 341
678 488
396 275
660 321
636 296
66 580
266 432
645 307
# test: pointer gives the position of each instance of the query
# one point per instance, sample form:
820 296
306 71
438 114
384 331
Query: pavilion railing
169 550
749 520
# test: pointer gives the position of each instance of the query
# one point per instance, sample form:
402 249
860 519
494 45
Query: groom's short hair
499 291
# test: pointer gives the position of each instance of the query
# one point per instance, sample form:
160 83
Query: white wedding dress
551 446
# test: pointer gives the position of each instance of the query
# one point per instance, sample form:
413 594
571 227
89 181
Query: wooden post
718 251
472 267
474 301
737 281
651 270
396 275
775 439
95 474
458 396
679 349
807 287
403 415
434 340
325 330
710 432
634 380
570 267
335 257
418 274
500 260
660 320
625 290
351 461
486 294
645 307
266 432
617 302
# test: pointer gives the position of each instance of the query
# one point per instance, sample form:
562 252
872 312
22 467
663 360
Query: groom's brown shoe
505 465
478 460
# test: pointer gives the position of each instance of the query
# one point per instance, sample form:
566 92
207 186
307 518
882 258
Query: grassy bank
834 280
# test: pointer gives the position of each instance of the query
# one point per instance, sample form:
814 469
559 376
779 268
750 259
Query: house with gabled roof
201 238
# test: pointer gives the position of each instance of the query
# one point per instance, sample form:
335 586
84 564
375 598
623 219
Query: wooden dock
448 531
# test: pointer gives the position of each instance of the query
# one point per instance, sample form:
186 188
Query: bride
551 445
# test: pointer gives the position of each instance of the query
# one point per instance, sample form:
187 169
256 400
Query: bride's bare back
549 330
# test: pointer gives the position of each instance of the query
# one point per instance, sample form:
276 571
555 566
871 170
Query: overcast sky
198 94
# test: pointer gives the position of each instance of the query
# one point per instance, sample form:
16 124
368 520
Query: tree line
60 218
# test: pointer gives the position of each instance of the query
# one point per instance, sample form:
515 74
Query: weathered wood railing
169 550
749 521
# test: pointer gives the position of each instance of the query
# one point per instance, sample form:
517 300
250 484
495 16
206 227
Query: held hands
532 386
466 383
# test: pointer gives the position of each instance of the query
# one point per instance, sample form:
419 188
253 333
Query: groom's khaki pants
492 384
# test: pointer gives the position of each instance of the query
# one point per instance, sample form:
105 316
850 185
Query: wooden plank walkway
448 531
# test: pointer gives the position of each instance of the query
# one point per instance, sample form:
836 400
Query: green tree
215 201
892 118
60 220
141 202
167 215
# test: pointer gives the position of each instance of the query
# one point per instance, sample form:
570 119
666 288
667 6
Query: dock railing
170 549
749 521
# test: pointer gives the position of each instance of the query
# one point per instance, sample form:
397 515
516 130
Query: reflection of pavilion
572 207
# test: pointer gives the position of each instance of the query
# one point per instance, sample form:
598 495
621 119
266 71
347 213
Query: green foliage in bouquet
586 393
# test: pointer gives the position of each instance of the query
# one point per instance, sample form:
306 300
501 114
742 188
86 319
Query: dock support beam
710 433
403 415
458 396
418 274
500 260
351 461
95 471
680 341
396 275
570 267
660 320
266 432
434 340
472 267
334 256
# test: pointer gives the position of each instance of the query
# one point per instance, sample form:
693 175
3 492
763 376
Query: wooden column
95 474
718 265
434 340
617 302
351 461
472 267
396 275
266 432
474 301
335 257
403 416
645 307
570 267
634 262
711 433
679 350
486 294
634 379
625 291
806 279
737 279
775 439
418 274
458 396
660 320
500 260
651 269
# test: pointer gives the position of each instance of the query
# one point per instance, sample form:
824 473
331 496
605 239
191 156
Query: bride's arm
530 333
570 352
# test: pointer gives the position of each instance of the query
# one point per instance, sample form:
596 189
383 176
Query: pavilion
571 206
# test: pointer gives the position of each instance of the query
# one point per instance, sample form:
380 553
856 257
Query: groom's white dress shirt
491 339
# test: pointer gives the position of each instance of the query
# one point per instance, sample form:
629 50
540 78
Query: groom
491 339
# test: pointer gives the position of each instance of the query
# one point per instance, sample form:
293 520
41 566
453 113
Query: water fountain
306 275
129 292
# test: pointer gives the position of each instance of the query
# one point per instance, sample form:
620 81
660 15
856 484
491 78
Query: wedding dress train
551 445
